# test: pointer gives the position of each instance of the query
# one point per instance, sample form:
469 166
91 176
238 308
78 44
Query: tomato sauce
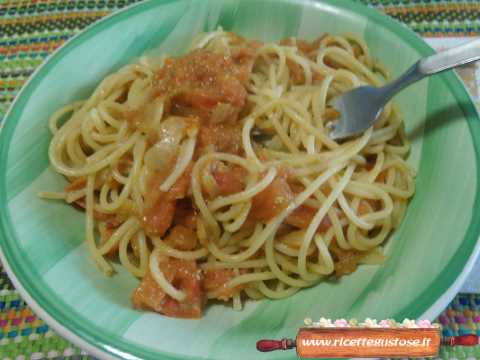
182 274
273 200
216 280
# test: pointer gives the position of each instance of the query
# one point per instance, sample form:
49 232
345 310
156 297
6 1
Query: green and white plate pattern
42 242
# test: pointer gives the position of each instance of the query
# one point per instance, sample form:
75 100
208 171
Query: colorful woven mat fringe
461 317
434 17
32 29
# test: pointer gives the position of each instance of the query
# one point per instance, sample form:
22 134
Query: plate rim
91 342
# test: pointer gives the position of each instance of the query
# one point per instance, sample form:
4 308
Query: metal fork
360 107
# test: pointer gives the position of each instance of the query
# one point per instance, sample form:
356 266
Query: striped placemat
437 18
32 29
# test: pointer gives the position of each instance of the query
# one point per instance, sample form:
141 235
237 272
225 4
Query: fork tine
340 128
359 108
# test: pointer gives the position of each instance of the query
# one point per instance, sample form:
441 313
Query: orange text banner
367 342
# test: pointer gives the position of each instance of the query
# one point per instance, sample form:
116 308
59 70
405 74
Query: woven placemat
32 29
460 318
434 17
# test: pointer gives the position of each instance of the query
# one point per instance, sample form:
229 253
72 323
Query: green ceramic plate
42 242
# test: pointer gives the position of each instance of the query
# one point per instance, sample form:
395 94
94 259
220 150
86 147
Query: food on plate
211 176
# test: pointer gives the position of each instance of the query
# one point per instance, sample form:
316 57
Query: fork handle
445 60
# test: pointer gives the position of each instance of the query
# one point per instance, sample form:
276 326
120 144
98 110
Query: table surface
31 29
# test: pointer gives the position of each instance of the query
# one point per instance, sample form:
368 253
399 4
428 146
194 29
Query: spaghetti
212 175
